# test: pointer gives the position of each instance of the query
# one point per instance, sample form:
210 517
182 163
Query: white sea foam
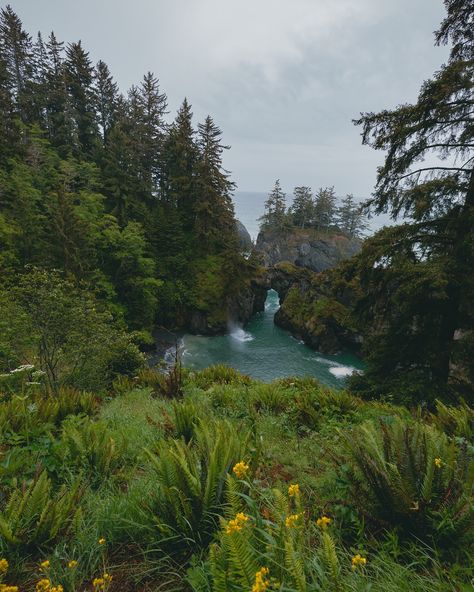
341 371
239 334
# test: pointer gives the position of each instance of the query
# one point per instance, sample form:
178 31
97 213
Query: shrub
192 478
89 447
35 516
411 477
219 374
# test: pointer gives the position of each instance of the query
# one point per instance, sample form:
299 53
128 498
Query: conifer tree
17 50
59 117
214 210
180 156
302 208
79 77
275 215
105 99
421 272
325 208
350 217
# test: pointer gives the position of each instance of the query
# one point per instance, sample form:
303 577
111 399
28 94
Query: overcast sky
282 78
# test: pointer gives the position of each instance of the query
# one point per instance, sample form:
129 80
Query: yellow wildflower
237 524
3 566
72 564
43 585
44 565
261 582
101 541
293 520
293 490
323 521
57 588
358 560
103 582
240 469
438 462
6 588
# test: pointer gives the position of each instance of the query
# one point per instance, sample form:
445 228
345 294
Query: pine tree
105 99
180 156
17 50
59 116
350 217
302 208
214 210
79 77
325 208
275 215
421 272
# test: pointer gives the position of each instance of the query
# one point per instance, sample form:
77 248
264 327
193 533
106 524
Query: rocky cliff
306 248
316 307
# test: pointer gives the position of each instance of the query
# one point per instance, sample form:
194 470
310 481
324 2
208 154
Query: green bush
36 516
191 482
411 477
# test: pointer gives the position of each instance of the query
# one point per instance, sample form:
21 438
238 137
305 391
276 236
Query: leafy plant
35 516
192 481
412 477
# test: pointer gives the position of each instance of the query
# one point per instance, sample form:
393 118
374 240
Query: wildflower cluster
3 570
358 561
237 523
240 469
72 564
44 565
323 522
261 582
103 582
44 585
293 490
438 463
293 520
101 541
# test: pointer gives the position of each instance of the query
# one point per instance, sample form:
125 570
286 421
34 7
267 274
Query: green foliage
64 329
89 447
36 516
412 477
192 477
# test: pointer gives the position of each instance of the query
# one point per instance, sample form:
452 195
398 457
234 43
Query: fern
35 516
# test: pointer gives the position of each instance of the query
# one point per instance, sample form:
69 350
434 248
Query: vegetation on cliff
102 187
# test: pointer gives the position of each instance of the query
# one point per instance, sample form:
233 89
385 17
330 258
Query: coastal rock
312 310
306 248
245 240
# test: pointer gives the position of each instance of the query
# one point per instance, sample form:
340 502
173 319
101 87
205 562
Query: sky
282 78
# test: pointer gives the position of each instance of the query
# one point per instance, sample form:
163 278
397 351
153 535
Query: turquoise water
264 351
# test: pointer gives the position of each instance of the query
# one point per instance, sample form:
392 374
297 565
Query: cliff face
316 307
306 248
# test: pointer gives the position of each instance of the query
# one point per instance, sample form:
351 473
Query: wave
341 371
240 335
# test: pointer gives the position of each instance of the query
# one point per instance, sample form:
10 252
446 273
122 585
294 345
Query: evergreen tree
275 216
17 49
79 77
302 208
426 333
59 117
105 99
180 156
325 208
350 217
214 210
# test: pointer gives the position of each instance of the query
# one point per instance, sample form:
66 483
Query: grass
155 480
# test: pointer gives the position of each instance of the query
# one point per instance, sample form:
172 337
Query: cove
266 352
